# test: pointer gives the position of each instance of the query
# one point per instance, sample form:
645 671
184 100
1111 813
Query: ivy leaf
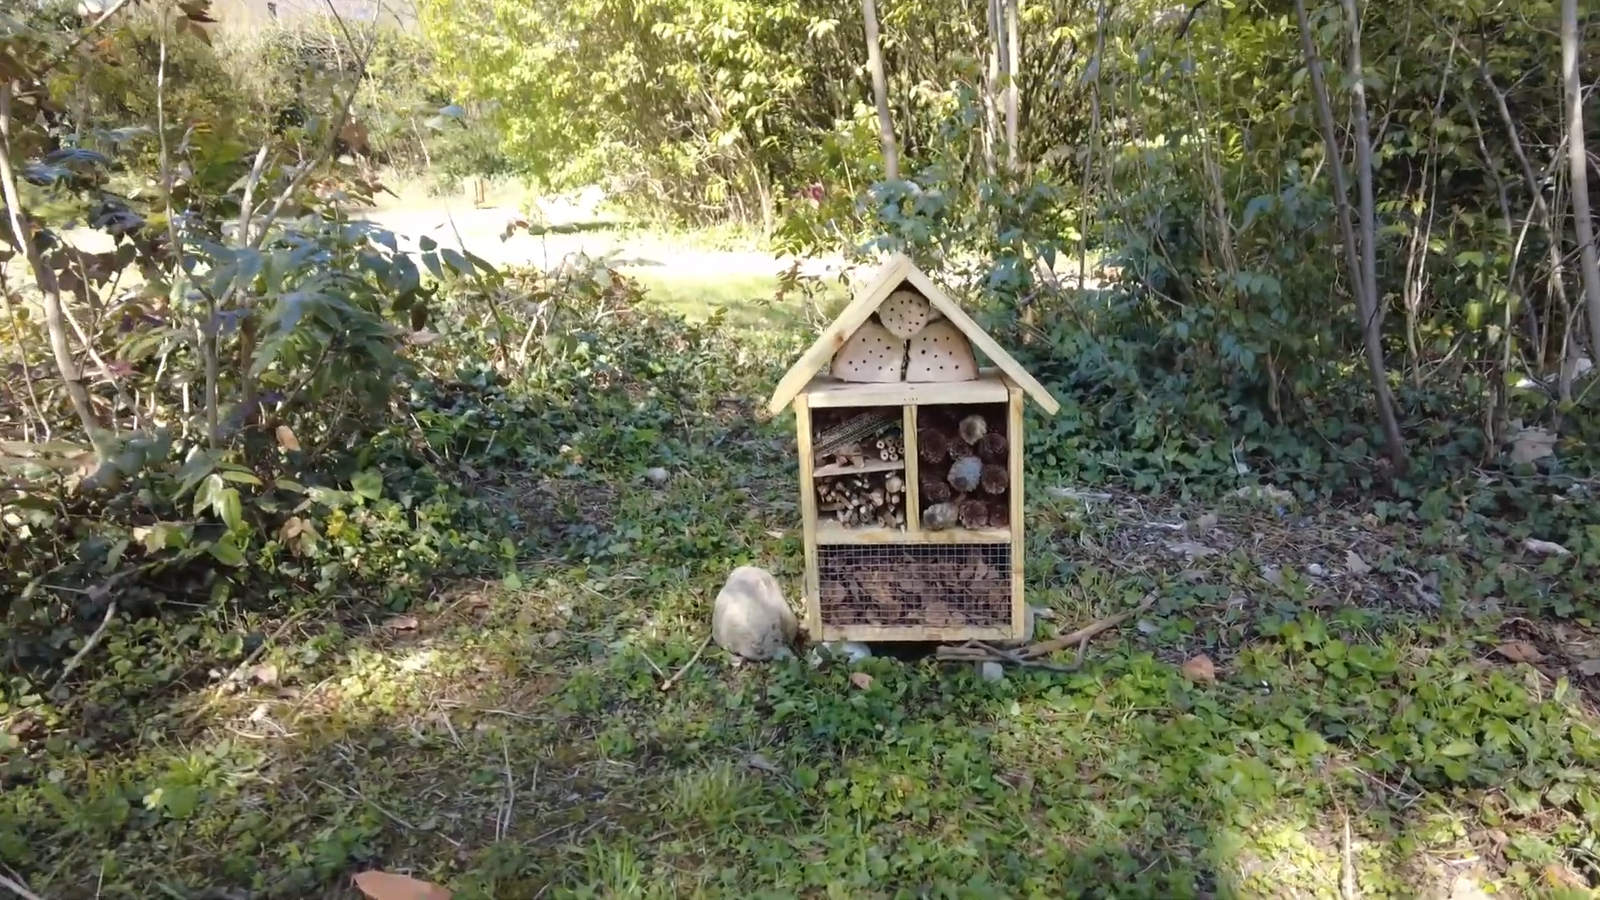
368 484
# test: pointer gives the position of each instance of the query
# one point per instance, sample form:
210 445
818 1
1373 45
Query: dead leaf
1558 875
1354 564
1590 667
861 680
1519 652
762 764
1191 549
552 638
266 673
286 438
388 886
422 338
1544 548
1531 444
1200 669
402 623
1207 522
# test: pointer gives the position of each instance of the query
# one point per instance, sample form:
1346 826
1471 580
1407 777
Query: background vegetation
322 553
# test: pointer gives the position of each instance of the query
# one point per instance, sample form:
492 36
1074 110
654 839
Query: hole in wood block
943 586
964 466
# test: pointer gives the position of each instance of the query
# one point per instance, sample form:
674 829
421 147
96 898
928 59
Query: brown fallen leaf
388 886
266 673
1200 669
402 623
1355 564
1589 667
1519 652
1558 875
861 680
1545 548
286 438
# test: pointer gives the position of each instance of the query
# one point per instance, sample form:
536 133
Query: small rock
657 475
1316 570
991 671
849 651
750 618
552 638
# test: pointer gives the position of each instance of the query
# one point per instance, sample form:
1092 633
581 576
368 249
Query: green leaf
227 552
229 507
368 484
206 495
1459 748
240 476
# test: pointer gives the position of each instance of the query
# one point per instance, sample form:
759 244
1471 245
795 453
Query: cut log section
873 354
940 352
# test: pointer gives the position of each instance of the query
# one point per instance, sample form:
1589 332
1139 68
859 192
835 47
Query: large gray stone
751 619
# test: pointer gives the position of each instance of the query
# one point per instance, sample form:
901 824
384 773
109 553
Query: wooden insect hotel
910 469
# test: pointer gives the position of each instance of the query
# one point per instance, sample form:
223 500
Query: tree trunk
1360 258
880 92
991 92
1578 156
1013 58
54 317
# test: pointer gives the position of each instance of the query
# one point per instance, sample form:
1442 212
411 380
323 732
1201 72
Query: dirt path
482 231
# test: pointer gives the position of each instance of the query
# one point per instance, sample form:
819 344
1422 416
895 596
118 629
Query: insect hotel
910 469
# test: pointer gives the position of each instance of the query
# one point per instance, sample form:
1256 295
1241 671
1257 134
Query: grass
1370 731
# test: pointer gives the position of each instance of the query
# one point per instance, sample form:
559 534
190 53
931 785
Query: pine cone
994 480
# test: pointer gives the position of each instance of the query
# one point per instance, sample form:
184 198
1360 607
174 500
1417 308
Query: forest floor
1377 719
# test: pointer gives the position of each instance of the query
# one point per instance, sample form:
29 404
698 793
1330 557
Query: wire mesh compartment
915 585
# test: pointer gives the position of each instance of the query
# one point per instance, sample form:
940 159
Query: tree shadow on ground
518 744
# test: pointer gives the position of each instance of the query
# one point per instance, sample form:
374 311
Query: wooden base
875 634
834 533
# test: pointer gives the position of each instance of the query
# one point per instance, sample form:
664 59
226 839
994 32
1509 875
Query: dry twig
667 685
1086 633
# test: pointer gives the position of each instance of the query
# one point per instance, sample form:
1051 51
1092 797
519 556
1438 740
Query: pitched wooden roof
898 270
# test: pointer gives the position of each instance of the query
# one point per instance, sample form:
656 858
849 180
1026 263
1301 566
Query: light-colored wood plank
834 533
913 485
1019 604
829 392
870 465
861 307
939 633
808 516
997 354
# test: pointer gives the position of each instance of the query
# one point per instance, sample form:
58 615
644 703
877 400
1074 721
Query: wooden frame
1005 384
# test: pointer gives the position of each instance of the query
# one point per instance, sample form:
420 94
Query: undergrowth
460 675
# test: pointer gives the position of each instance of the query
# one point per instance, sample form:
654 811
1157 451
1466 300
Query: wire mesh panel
915 585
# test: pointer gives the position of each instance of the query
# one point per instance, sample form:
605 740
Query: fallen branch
667 685
1085 634
977 651
18 888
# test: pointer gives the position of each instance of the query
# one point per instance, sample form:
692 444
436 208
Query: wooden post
808 514
1019 604
913 488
